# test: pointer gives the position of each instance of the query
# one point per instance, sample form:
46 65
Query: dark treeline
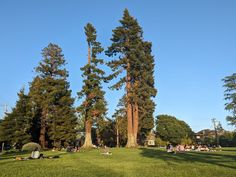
46 114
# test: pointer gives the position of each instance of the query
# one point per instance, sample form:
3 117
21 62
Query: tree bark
88 137
42 139
88 124
42 135
117 135
130 127
135 121
89 55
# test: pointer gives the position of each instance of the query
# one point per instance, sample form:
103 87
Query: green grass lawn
125 163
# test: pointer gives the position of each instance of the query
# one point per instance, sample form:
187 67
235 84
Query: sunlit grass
123 162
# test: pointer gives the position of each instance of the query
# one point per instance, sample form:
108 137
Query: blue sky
194 44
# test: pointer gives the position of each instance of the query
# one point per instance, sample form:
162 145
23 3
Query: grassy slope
124 162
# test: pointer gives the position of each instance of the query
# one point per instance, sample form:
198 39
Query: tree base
131 143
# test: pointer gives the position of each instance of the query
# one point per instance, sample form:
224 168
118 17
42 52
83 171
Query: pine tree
50 92
7 129
230 96
23 119
93 107
146 92
134 57
16 125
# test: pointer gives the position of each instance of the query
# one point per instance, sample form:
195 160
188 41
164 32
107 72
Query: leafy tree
93 107
159 142
228 139
51 94
170 129
230 97
134 58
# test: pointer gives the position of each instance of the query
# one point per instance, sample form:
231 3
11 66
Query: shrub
31 146
159 142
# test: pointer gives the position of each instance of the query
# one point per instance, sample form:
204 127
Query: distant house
150 141
206 136
208 133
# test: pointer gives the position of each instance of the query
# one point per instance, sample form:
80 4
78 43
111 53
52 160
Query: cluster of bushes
228 139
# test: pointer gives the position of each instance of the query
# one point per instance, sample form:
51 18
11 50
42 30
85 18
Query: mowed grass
146 162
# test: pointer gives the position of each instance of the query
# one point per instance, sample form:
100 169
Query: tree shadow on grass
231 150
201 157
94 170
26 154
11 155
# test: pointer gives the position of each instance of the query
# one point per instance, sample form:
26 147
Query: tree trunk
88 124
42 136
42 139
135 121
117 136
88 137
98 136
89 55
130 125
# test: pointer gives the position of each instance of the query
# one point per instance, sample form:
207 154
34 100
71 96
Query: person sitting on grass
35 154
169 148
106 151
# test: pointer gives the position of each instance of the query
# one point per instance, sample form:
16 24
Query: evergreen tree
146 92
7 129
16 125
23 119
50 93
93 107
230 96
134 56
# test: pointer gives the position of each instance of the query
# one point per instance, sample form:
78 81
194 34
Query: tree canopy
171 129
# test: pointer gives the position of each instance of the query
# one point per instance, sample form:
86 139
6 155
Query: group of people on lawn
186 148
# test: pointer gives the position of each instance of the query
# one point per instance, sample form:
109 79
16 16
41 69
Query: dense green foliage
124 163
230 97
15 127
170 129
228 139
146 91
